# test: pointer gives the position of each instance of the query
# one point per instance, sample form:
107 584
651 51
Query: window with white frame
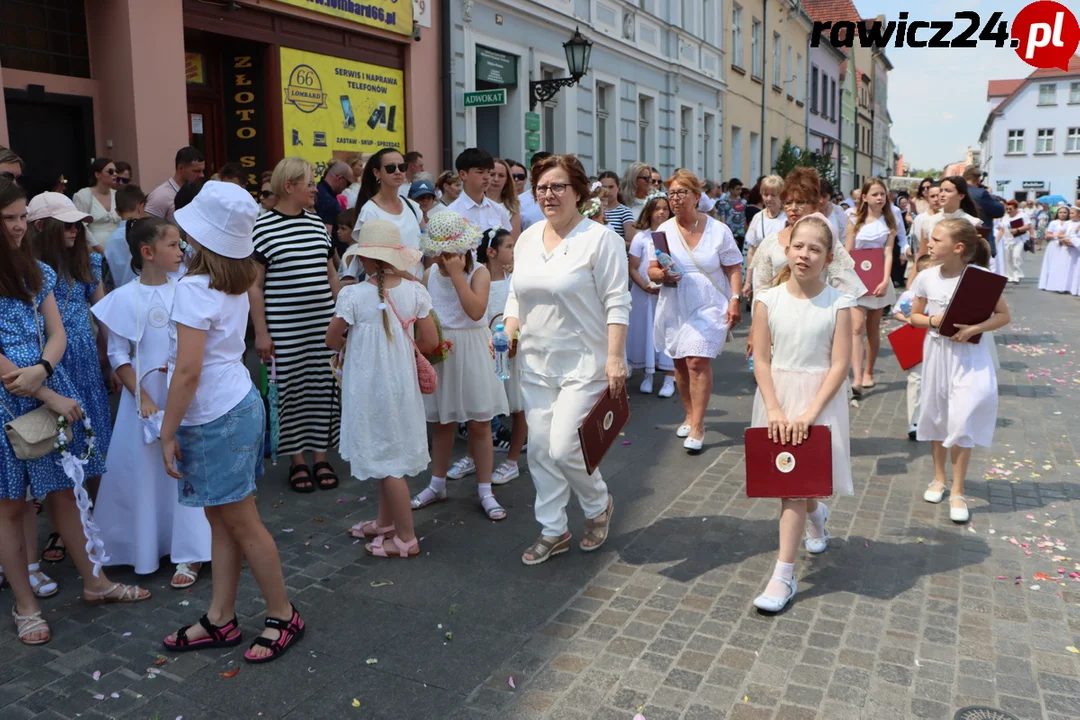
686 8
1072 140
832 99
824 94
710 22
1074 93
777 68
755 155
686 132
736 152
774 152
1044 141
1015 144
549 113
709 122
646 144
787 64
800 91
736 36
605 126
1048 94
755 49
813 89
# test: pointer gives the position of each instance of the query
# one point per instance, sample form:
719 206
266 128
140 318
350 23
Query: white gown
641 349
1060 272
959 397
802 333
137 509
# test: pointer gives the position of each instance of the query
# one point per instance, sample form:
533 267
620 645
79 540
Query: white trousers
914 387
554 409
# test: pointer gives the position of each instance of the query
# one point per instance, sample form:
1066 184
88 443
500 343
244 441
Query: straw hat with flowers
448 232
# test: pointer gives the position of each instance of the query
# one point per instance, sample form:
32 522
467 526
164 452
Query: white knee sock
817 521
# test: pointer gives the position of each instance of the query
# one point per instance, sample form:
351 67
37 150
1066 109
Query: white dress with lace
383 427
691 318
771 258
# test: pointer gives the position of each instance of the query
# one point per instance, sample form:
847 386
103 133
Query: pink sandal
369 530
404 549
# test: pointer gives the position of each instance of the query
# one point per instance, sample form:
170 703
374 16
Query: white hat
381 240
220 219
448 232
57 206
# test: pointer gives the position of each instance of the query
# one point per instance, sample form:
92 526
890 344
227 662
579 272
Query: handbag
425 371
33 435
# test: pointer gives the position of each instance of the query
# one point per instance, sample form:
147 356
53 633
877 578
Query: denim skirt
221 459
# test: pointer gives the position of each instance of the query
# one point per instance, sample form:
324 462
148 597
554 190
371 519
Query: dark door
204 133
488 130
54 136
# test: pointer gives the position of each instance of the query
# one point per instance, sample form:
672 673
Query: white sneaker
462 468
772 604
683 431
959 515
506 472
668 388
646 384
817 545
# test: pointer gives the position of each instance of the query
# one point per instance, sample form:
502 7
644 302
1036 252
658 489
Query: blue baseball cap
420 188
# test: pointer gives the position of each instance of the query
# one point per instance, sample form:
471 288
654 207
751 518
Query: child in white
1055 275
380 374
137 509
468 391
959 393
802 348
640 345
1014 241
914 375
496 251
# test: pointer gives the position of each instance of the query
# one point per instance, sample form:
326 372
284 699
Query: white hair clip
595 186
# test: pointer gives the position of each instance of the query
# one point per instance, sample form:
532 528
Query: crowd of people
378 286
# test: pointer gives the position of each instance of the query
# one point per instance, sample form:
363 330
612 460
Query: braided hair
380 275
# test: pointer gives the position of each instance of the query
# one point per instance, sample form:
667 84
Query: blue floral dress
81 361
19 343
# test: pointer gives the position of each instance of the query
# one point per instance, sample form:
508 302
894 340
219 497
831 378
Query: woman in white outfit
694 317
98 200
1057 234
872 228
569 299
769 221
1014 241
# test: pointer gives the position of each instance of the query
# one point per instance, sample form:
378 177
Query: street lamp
828 148
578 50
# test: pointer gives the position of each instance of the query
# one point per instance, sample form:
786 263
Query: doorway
488 128
53 134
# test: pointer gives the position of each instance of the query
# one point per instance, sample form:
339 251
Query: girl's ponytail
380 273
143 232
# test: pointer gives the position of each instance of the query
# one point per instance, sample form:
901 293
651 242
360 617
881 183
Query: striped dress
299 307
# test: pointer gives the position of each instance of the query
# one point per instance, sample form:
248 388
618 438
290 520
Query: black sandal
291 631
295 479
327 479
53 545
218 636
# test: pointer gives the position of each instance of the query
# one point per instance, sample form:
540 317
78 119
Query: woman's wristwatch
47 365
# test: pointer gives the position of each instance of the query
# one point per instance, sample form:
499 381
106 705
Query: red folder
974 301
1017 222
907 345
601 426
870 267
789 471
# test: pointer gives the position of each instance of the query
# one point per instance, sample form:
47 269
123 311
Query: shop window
44 37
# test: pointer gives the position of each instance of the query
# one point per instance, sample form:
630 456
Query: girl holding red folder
802 346
959 396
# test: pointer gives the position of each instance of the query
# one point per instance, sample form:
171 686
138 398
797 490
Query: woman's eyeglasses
267 193
110 171
12 177
71 226
520 177
121 180
656 181
646 178
400 167
791 202
678 194
556 189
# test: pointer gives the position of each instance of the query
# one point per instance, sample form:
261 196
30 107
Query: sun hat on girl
221 219
448 232
381 240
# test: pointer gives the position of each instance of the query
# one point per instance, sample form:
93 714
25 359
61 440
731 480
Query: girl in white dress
141 520
380 373
1053 276
497 249
959 384
802 331
1014 239
469 391
641 351
873 227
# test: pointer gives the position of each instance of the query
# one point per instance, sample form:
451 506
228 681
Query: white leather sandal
772 604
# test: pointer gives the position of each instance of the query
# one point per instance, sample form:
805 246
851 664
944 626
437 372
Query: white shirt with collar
530 210
484 215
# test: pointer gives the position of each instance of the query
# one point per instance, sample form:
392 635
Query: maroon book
870 267
907 345
976 296
774 470
602 426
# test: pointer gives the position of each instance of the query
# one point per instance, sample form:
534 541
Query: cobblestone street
906 615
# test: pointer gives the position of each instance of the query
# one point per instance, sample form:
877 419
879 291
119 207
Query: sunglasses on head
399 167
518 176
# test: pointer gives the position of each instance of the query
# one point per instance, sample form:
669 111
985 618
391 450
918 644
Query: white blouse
762 227
566 298
104 222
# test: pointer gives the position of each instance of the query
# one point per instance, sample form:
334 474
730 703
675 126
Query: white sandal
30 624
184 570
42 585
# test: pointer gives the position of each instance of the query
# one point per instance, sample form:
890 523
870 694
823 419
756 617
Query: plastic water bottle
905 307
501 341
668 263
750 362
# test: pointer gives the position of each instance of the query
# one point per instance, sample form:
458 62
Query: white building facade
1031 140
654 91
